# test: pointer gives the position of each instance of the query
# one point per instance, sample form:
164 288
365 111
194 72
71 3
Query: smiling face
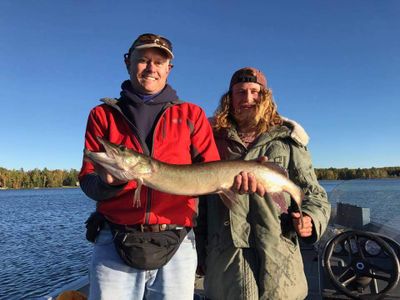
148 70
245 100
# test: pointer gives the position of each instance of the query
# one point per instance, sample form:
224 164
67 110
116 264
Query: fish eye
122 147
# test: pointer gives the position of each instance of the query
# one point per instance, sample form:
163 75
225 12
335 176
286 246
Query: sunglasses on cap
149 40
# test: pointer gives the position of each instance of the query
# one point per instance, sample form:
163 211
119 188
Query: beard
246 117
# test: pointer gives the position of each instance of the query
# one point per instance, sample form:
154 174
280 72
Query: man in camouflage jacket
253 251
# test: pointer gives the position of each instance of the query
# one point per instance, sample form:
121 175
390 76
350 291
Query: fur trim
298 133
109 101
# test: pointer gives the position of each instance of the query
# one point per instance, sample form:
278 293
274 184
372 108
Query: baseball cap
150 40
248 74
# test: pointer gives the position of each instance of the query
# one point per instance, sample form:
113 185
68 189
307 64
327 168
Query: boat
356 258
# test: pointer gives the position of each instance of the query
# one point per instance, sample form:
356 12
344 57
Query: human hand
306 229
109 179
106 177
247 183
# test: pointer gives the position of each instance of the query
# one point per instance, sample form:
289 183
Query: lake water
43 243
382 196
42 232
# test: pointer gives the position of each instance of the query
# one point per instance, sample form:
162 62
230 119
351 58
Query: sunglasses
149 38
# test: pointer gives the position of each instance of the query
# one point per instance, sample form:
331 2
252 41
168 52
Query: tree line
20 179
348 174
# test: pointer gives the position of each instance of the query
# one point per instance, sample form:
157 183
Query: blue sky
333 66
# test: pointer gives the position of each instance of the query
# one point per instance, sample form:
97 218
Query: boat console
355 259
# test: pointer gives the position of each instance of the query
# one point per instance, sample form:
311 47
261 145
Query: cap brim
154 45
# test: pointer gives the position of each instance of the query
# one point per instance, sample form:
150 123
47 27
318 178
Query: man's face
148 70
245 98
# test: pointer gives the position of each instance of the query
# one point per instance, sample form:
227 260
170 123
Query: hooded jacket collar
167 95
289 129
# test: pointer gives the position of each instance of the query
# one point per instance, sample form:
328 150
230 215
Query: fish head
121 162
124 157
118 152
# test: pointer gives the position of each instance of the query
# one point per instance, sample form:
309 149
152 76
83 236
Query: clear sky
333 66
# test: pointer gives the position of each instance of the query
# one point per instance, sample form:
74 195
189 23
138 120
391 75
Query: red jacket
182 135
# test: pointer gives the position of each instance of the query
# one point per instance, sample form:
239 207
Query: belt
147 227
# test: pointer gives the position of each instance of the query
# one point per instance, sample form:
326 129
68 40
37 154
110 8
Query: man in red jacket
154 255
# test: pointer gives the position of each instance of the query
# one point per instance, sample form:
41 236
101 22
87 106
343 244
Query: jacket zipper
143 146
149 191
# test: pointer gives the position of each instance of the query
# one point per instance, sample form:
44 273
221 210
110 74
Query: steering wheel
358 268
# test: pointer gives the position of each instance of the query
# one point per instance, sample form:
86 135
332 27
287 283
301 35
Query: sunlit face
148 70
245 98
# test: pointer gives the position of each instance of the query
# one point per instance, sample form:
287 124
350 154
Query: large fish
194 179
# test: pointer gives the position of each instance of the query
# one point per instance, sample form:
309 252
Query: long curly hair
266 114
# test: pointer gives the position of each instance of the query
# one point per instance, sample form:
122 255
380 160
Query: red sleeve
204 148
96 126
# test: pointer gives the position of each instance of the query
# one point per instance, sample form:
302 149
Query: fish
195 179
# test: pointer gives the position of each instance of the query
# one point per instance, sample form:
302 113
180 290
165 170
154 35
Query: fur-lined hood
289 128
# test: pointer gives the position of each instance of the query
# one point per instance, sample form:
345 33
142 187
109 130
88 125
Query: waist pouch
93 226
147 250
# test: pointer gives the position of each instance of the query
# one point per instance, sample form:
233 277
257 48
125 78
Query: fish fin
279 200
228 197
136 197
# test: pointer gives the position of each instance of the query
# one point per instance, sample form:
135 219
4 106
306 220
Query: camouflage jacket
253 252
